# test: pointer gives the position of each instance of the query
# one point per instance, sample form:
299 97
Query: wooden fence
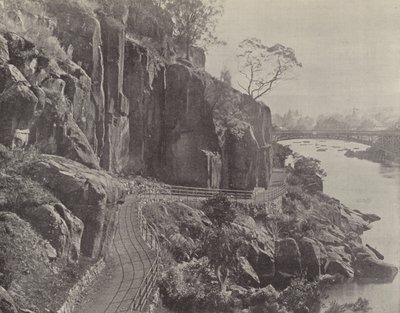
150 236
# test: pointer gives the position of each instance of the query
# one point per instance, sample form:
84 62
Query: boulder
310 257
262 262
17 107
246 274
56 132
57 225
21 51
287 257
7 304
370 269
334 267
379 255
37 206
91 195
10 75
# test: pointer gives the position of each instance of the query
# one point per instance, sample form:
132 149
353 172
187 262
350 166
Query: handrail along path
136 258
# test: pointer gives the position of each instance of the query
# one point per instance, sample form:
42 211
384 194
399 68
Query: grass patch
26 270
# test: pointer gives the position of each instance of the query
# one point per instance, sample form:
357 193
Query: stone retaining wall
75 292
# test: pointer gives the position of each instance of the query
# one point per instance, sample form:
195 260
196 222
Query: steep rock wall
144 86
91 195
80 33
243 127
188 130
116 140
124 103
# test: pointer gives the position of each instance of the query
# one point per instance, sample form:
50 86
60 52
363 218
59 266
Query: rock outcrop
247 274
91 195
369 269
80 33
59 227
49 218
7 304
35 94
123 100
287 257
310 257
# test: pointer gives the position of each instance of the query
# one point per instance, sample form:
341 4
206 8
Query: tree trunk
188 49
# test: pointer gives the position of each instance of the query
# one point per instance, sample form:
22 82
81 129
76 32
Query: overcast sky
350 51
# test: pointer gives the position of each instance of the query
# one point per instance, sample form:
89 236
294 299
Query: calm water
370 188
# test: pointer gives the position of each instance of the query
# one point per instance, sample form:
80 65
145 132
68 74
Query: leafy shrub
307 227
219 210
281 153
192 286
222 246
34 30
300 294
305 166
5 156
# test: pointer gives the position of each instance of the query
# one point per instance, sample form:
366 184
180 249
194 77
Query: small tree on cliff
221 245
262 66
194 21
226 76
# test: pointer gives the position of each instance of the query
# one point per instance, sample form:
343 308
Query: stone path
130 259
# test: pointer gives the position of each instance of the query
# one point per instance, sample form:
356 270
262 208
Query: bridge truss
386 141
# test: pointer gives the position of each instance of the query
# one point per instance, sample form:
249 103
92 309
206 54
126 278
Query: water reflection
371 188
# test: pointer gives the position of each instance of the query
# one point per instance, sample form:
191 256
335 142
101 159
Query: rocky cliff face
127 102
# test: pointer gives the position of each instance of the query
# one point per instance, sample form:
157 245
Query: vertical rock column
187 129
144 86
79 32
115 155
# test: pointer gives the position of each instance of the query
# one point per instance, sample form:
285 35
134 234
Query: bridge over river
385 140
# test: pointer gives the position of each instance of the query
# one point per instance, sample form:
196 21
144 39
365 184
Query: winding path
129 261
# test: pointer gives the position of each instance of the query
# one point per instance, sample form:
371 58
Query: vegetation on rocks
81 90
373 154
29 265
245 258
40 238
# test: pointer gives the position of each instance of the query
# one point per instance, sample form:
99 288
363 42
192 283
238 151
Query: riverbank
337 228
367 187
373 154
313 242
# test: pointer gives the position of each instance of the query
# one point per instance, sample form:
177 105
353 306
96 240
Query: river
371 188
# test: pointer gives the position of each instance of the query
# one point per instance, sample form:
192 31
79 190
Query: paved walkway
129 261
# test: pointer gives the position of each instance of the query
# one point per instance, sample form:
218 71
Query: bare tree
263 66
